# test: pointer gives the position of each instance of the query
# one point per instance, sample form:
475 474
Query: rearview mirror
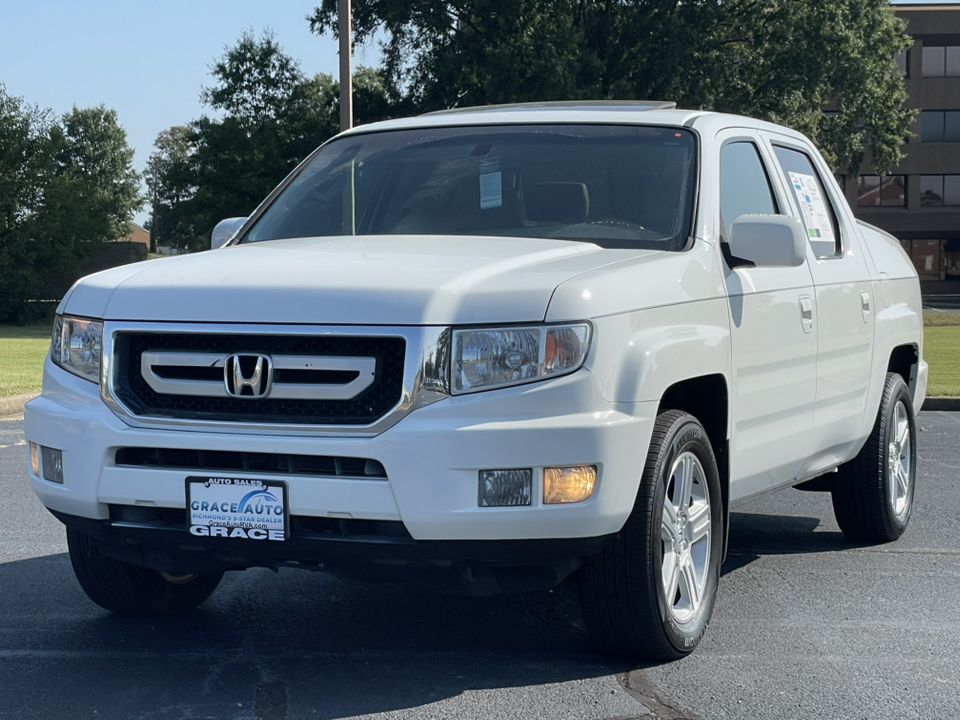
768 240
224 231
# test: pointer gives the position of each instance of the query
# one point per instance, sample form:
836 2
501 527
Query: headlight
486 358
77 345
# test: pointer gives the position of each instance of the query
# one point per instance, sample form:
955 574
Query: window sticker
815 214
491 186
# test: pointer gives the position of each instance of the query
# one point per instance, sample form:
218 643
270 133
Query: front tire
650 593
133 590
873 493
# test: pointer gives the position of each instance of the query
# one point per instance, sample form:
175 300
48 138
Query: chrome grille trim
425 375
365 368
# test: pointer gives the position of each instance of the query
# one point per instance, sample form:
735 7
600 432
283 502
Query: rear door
844 302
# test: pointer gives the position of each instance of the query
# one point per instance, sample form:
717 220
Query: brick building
137 235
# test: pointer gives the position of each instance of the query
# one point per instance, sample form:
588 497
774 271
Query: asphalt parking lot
806 625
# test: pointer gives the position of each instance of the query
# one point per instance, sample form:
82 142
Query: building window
886 191
926 259
901 58
940 61
940 126
951 258
935 260
937 190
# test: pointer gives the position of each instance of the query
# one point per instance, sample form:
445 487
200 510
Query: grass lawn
941 319
941 350
22 350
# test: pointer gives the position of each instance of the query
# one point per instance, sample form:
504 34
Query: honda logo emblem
249 376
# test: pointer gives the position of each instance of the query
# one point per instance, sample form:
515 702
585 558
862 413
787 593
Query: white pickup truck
489 349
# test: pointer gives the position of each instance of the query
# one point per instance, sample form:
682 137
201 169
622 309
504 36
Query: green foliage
269 116
97 187
65 186
171 183
26 167
781 60
257 82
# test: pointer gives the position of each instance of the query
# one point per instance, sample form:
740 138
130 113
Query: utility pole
346 70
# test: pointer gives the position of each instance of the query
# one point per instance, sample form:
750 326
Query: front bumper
361 550
432 459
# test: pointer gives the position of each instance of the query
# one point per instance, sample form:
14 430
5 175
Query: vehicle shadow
753 535
275 646
299 644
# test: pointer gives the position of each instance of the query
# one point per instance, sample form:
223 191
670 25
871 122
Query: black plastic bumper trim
476 567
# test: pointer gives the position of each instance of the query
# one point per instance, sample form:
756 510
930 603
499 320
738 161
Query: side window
744 186
817 213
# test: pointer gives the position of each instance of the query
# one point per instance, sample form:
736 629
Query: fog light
52 464
568 484
34 459
505 488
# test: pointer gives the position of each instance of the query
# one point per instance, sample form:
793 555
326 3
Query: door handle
806 313
865 306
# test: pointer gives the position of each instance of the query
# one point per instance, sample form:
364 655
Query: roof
633 105
641 113
576 112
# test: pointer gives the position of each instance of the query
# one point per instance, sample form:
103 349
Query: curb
950 404
13 405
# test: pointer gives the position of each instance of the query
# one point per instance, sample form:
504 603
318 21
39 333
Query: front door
773 325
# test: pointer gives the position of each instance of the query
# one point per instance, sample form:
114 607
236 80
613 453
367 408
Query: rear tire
650 593
873 493
133 590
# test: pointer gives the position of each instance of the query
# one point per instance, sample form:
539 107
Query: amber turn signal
568 484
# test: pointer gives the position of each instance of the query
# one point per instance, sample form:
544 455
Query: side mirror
768 240
224 231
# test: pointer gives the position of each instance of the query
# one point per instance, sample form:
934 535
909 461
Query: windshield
614 185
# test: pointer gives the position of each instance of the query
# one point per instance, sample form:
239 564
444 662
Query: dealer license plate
239 508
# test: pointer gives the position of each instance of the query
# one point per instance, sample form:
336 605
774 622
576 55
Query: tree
96 178
782 60
171 183
273 117
26 165
257 82
65 186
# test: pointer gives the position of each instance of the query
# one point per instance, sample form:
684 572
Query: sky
147 60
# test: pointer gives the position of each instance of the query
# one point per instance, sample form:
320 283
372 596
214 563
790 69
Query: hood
381 280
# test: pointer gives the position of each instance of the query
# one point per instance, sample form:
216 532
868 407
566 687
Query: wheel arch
905 361
707 398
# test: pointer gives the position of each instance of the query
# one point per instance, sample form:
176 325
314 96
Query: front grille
367 407
271 463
